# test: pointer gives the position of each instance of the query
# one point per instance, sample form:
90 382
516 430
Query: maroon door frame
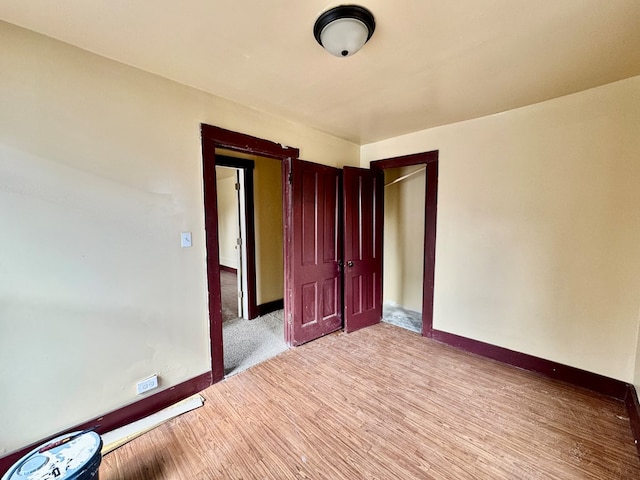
246 167
430 160
212 138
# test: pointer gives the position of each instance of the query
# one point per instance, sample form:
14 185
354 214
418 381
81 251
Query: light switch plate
185 239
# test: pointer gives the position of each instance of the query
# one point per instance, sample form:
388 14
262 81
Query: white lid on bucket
65 457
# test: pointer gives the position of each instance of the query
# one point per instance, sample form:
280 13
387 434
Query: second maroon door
363 217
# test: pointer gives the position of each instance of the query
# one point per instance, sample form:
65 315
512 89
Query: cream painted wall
403 237
538 229
100 171
267 178
228 216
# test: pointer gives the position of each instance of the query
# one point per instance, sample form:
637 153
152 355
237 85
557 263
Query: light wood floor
384 403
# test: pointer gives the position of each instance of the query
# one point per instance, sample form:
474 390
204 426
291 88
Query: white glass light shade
343 30
344 37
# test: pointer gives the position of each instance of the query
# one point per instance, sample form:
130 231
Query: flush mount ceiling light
344 30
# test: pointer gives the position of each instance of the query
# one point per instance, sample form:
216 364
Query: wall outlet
147 384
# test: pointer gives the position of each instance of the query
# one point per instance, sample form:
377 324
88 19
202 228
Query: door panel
363 216
315 250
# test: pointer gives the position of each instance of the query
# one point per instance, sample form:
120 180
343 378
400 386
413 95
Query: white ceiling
430 62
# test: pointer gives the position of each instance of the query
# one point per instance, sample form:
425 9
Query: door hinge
239 241
240 295
290 178
238 186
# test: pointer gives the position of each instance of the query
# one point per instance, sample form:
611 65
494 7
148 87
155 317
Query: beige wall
403 230
100 171
267 180
538 229
228 216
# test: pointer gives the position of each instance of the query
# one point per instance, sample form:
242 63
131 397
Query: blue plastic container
74 456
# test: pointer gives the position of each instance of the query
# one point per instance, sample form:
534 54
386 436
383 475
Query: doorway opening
250 238
231 249
410 206
219 142
236 241
403 256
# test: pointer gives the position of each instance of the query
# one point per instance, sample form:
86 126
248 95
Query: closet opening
409 239
403 255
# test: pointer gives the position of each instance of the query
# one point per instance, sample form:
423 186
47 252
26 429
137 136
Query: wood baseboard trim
633 410
269 307
592 381
229 269
123 416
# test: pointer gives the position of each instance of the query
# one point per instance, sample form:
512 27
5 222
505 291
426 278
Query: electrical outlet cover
147 384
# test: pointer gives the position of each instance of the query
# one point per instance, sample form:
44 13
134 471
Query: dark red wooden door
363 214
315 250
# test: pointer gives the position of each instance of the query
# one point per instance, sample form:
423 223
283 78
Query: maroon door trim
633 410
212 138
241 142
430 160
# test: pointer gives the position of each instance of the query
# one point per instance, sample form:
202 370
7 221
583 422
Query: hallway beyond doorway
229 293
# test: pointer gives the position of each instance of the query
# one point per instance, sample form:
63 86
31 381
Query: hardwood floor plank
385 403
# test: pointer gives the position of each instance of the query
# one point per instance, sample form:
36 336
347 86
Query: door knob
349 263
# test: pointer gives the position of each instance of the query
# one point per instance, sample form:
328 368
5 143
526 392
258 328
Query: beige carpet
249 342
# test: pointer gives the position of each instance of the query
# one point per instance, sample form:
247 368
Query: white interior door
243 299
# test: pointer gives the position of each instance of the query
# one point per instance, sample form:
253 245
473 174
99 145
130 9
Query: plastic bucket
73 456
